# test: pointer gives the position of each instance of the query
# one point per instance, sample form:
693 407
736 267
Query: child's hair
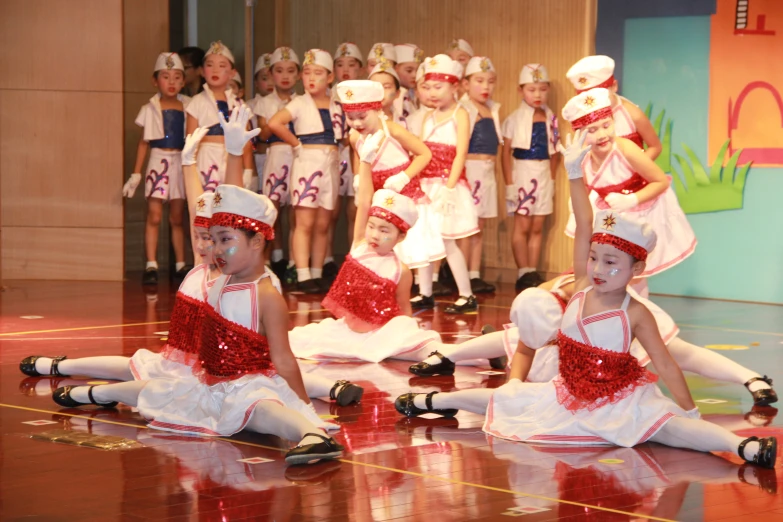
194 55
250 234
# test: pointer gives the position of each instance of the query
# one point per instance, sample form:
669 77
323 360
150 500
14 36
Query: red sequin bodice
412 189
630 186
363 294
228 351
442 161
184 329
636 138
592 377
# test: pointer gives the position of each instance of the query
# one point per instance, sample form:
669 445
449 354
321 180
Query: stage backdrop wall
512 34
709 76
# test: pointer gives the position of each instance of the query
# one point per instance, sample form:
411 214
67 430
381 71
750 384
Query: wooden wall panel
555 33
93 254
145 35
61 152
70 45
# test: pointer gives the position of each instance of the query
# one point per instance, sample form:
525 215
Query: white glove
129 189
356 184
297 150
512 193
247 176
397 182
191 146
235 129
446 201
694 413
574 153
621 202
369 148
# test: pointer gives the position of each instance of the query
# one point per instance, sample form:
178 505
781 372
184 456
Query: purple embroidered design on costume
274 183
159 181
308 191
525 197
476 198
207 181
343 169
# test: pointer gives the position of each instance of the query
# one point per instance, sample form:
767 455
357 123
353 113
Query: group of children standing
418 182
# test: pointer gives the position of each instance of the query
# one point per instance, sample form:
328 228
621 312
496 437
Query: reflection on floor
394 469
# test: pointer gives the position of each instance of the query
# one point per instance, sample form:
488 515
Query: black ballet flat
767 454
763 397
470 305
62 396
28 366
349 394
761 416
313 475
404 405
423 369
427 302
767 479
329 449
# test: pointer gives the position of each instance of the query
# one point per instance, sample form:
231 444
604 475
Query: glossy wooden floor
394 469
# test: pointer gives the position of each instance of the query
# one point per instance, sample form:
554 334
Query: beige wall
555 33
61 139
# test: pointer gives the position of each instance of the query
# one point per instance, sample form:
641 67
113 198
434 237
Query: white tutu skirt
423 244
463 222
146 365
189 406
530 412
332 339
676 240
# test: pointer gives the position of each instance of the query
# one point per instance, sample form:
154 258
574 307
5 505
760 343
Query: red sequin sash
412 189
361 293
636 138
591 377
630 186
184 330
442 160
229 351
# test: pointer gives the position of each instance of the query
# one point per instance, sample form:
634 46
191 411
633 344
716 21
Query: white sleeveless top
237 302
387 267
197 283
608 330
623 123
390 154
613 171
444 132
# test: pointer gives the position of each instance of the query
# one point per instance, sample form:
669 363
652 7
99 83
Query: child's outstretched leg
699 360
176 216
107 395
441 357
343 392
113 367
700 435
474 400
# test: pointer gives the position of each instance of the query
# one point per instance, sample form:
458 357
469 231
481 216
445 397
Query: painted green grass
698 188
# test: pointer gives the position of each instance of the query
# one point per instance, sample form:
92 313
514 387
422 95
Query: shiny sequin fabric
412 189
635 251
630 186
361 293
592 377
226 219
539 144
636 138
228 351
184 330
442 160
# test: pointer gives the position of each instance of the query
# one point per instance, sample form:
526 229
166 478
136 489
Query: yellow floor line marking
368 465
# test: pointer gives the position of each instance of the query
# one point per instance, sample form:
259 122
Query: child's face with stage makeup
285 74
236 88
169 83
610 269
600 135
233 249
363 122
316 79
407 73
439 94
218 70
347 68
390 90
480 86
203 243
458 55
421 94
535 94
263 82
381 235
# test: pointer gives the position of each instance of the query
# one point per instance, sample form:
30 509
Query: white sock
277 255
317 273
700 435
328 259
179 266
303 274
474 274
474 400
275 419
152 264
482 347
523 271
416 278
425 280
458 267
696 359
435 276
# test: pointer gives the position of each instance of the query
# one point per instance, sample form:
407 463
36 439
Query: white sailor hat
537 313
360 95
395 208
462 45
533 73
408 53
349 50
384 66
237 78
318 57
203 210
588 107
479 64
628 234
382 50
283 54
264 62
591 72
219 48
168 62
441 67
420 72
236 207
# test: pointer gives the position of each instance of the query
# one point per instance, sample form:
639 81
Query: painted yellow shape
97 383
726 347
611 461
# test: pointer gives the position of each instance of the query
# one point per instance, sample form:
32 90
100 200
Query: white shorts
211 163
315 181
276 175
463 222
536 189
164 175
483 187
346 172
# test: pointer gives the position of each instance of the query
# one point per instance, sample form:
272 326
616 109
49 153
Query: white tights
273 418
113 367
459 269
695 359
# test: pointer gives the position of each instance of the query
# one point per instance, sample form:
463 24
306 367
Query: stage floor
393 469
